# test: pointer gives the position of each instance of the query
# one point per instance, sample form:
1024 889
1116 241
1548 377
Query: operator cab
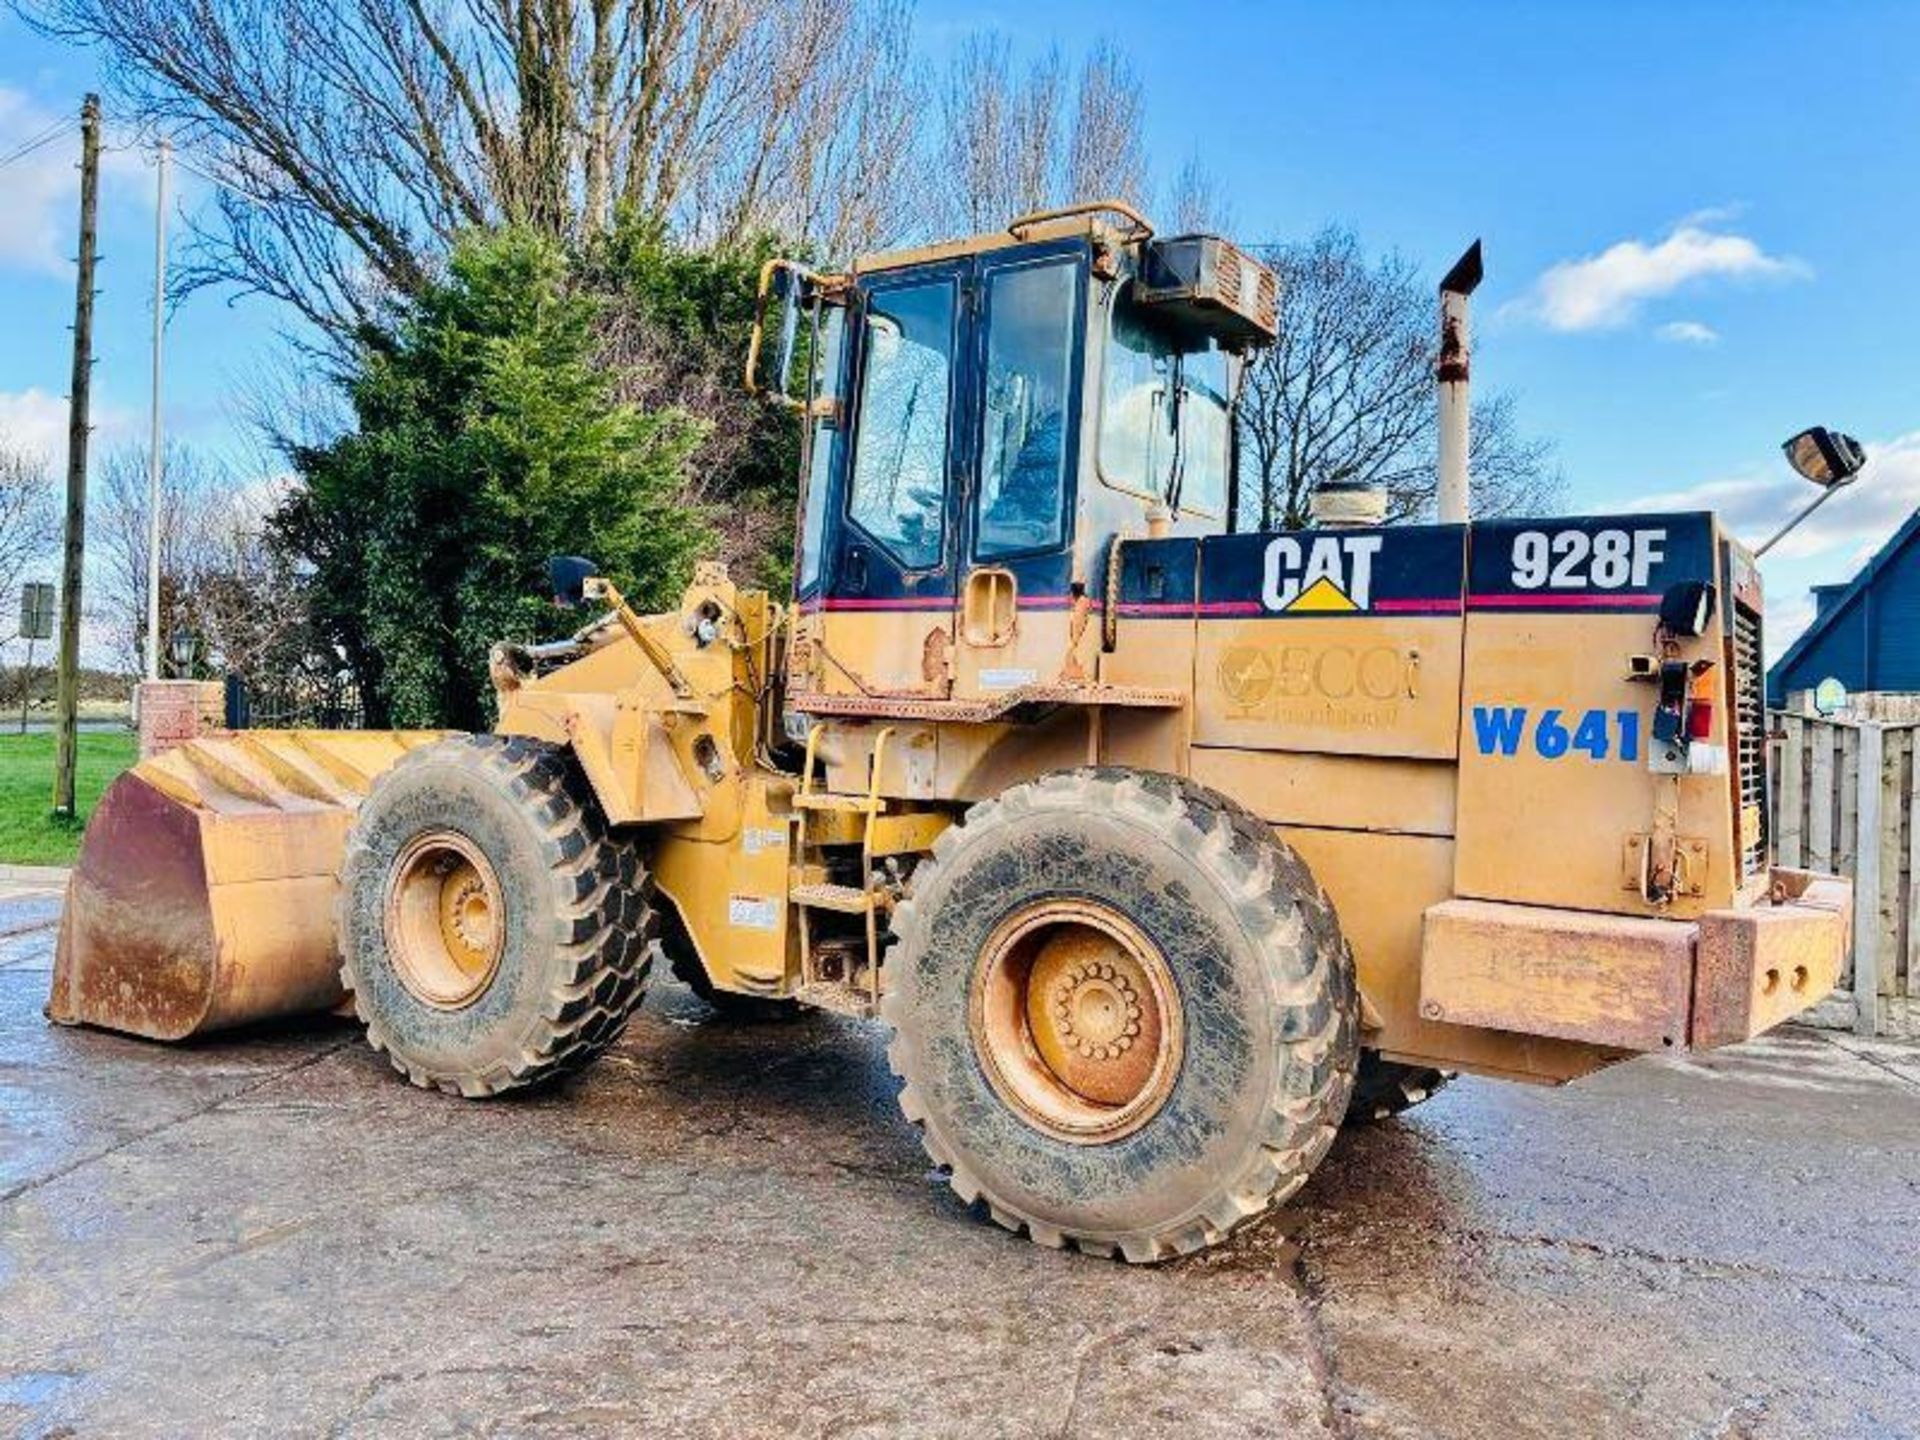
984 418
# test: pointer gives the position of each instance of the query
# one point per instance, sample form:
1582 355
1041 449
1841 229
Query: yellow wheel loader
1161 847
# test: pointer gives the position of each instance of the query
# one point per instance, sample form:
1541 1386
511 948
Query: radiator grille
1750 740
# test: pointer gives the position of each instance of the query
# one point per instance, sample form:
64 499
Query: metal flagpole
154 454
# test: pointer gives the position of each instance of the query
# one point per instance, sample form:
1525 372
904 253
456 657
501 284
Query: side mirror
789 287
1687 608
567 577
1826 457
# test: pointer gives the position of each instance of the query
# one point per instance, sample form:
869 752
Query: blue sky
1701 223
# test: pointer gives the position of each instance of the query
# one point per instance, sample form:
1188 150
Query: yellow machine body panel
1547 822
1437 718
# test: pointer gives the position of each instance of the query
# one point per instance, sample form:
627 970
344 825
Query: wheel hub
1076 1020
1097 1011
443 919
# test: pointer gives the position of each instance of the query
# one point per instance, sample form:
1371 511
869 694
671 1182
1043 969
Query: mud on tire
575 923
1265 997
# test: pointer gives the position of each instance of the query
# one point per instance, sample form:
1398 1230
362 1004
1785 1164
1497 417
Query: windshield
898 493
1157 384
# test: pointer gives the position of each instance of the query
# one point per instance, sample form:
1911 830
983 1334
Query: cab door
1016 620
889 593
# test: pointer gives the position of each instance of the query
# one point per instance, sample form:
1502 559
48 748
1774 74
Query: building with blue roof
1865 631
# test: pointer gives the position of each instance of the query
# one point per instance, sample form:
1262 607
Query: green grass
29 833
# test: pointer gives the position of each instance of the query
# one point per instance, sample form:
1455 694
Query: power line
57 131
244 196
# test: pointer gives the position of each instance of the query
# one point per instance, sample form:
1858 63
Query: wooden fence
1844 793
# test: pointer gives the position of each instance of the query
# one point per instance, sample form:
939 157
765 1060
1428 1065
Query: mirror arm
1818 500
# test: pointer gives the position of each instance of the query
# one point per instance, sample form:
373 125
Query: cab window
898 492
823 443
1158 386
1031 310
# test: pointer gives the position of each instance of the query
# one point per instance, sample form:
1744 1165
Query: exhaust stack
1452 372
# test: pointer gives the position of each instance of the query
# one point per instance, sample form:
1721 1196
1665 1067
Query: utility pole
154 453
67 691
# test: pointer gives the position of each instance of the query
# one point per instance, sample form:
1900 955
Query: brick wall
173 712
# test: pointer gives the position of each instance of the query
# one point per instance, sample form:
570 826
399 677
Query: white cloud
33 422
1787 616
1605 291
1853 524
42 189
1688 332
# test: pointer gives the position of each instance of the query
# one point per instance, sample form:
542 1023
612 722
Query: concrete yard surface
728 1230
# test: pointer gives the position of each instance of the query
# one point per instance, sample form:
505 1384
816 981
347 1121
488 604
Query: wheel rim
1076 1020
444 920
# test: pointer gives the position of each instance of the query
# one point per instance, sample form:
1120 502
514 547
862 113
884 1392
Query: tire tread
604 926
1303 950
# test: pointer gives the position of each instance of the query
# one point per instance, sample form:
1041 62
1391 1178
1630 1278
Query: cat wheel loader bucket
204 893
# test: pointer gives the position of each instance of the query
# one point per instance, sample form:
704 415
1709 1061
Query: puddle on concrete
30 1389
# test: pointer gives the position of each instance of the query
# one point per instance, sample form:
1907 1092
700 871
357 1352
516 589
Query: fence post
1910 802
1820 803
1866 880
1790 804
239 711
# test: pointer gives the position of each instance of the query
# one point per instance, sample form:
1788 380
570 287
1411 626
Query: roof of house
1848 595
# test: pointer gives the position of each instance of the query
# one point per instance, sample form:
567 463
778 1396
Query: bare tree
222 580
29 525
353 139
1011 141
1195 202
248 603
1347 393
1106 156
119 543
1001 135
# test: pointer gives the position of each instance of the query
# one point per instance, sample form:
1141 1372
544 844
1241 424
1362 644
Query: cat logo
1329 574
1246 675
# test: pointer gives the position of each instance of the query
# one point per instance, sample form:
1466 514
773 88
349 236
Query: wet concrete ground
728 1231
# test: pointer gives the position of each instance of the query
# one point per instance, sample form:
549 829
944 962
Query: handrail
1142 227
866 867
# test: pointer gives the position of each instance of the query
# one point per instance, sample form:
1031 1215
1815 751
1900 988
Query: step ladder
808 891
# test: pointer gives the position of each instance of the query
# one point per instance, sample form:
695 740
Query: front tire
495 934
1124 1014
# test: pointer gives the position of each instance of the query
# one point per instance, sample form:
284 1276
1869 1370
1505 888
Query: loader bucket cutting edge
204 893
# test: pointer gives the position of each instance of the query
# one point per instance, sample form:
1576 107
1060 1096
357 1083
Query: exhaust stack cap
1465 276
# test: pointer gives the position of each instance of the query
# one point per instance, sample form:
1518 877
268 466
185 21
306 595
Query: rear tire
1124 1014
495 933
1385 1088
